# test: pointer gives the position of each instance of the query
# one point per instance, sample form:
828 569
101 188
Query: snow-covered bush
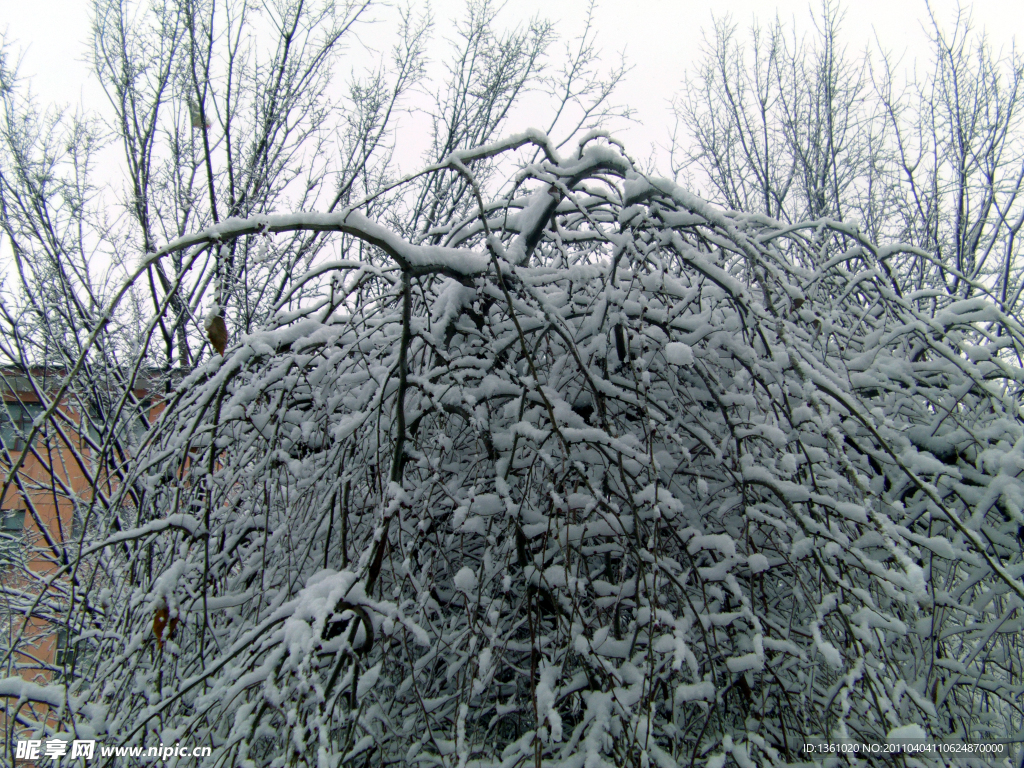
598 474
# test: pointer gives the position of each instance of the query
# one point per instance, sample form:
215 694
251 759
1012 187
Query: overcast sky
660 38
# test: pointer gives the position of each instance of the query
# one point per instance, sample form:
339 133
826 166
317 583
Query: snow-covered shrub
598 475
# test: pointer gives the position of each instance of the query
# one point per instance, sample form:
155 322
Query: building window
65 654
131 428
12 527
16 421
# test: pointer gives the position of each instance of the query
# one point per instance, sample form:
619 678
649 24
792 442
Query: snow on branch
595 473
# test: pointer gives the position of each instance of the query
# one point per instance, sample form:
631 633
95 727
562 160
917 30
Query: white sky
661 38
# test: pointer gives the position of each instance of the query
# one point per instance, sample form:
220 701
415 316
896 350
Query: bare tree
958 168
732 112
796 129
777 127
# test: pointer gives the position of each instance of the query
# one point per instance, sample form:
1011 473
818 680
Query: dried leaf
196 116
159 624
217 330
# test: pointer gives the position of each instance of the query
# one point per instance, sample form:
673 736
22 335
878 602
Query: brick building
47 502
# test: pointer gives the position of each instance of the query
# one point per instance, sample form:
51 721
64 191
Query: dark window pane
130 428
94 424
64 654
8 430
15 422
13 520
11 527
